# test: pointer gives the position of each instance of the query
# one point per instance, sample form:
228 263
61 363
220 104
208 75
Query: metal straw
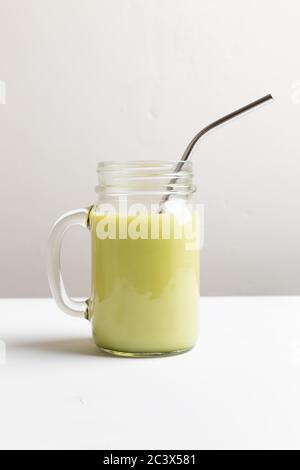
208 128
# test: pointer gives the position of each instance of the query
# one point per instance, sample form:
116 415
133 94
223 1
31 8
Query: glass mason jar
145 259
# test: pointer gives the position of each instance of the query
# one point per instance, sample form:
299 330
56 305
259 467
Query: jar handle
75 308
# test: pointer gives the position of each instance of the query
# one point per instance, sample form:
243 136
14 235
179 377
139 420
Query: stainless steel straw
208 128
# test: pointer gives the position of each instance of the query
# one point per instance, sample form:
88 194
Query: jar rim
115 164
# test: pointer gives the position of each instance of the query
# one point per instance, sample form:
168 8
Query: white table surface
239 388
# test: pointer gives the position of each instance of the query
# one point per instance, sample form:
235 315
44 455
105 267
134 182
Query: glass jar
145 259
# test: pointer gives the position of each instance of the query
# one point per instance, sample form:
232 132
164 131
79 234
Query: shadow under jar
145 259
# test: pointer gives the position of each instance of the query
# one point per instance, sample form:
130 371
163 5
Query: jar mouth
158 177
107 165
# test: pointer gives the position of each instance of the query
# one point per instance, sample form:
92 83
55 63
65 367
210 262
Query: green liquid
145 292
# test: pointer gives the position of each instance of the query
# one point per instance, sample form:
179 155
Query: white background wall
90 80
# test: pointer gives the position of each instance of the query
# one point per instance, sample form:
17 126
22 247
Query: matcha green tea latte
145 291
